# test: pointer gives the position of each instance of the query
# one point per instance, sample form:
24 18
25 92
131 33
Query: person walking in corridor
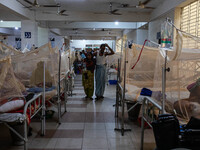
88 75
100 73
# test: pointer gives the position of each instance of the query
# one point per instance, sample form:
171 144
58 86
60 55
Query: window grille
190 23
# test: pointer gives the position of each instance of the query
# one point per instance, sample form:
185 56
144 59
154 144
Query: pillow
11 106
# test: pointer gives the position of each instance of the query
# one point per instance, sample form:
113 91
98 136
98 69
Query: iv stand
123 101
164 71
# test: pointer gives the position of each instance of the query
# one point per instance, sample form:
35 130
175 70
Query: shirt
101 60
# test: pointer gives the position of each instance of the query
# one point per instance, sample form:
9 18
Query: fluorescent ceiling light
116 22
16 28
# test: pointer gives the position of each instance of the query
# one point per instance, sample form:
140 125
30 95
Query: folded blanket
39 89
146 92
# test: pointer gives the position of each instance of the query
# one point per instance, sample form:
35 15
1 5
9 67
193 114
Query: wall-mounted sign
27 35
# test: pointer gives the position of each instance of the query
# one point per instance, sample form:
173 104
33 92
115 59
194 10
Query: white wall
81 43
43 36
137 36
142 35
59 40
29 26
155 26
132 36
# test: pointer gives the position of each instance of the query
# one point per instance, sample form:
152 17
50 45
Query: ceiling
79 11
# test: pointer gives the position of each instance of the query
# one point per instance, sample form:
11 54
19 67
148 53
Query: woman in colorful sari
88 76
100 74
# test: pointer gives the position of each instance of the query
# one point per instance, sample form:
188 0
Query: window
190 23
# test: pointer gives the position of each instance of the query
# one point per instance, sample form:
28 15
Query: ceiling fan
111 11
36 4
59 12
110 33
76 31
104 30
141 5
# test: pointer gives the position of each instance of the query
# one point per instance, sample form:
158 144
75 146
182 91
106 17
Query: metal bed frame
68 88
146 116
41 107
120 97
67 83
28 107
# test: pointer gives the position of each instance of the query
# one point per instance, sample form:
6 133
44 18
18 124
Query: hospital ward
99 74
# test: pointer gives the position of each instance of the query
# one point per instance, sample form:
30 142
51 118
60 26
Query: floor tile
60 133
95 126
74 117
94 117
77 105
94 133
76 110
69 143
119 142
51 144
95 143
71 126
38 143
117 134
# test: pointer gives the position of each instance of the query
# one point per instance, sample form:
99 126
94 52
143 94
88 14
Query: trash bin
166 132
134 113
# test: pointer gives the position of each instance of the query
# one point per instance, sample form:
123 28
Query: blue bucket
112 82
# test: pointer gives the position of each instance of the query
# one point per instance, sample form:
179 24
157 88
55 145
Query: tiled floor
87 125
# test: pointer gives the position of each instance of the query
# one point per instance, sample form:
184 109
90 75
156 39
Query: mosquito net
182 81
10 86
29 69
142 75
7 50
112 61
65 62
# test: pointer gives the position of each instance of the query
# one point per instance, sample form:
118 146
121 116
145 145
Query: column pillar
43 36
29 34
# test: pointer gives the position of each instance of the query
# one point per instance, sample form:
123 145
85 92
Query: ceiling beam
10 24
90 33
95 25
165 7
6 31
55 31
91 38
86 16
17 8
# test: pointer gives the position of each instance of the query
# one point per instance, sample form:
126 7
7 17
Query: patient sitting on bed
38 76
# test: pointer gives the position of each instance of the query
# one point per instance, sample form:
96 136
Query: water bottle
166 35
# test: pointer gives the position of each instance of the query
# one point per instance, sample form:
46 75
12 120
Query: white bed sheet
12 117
